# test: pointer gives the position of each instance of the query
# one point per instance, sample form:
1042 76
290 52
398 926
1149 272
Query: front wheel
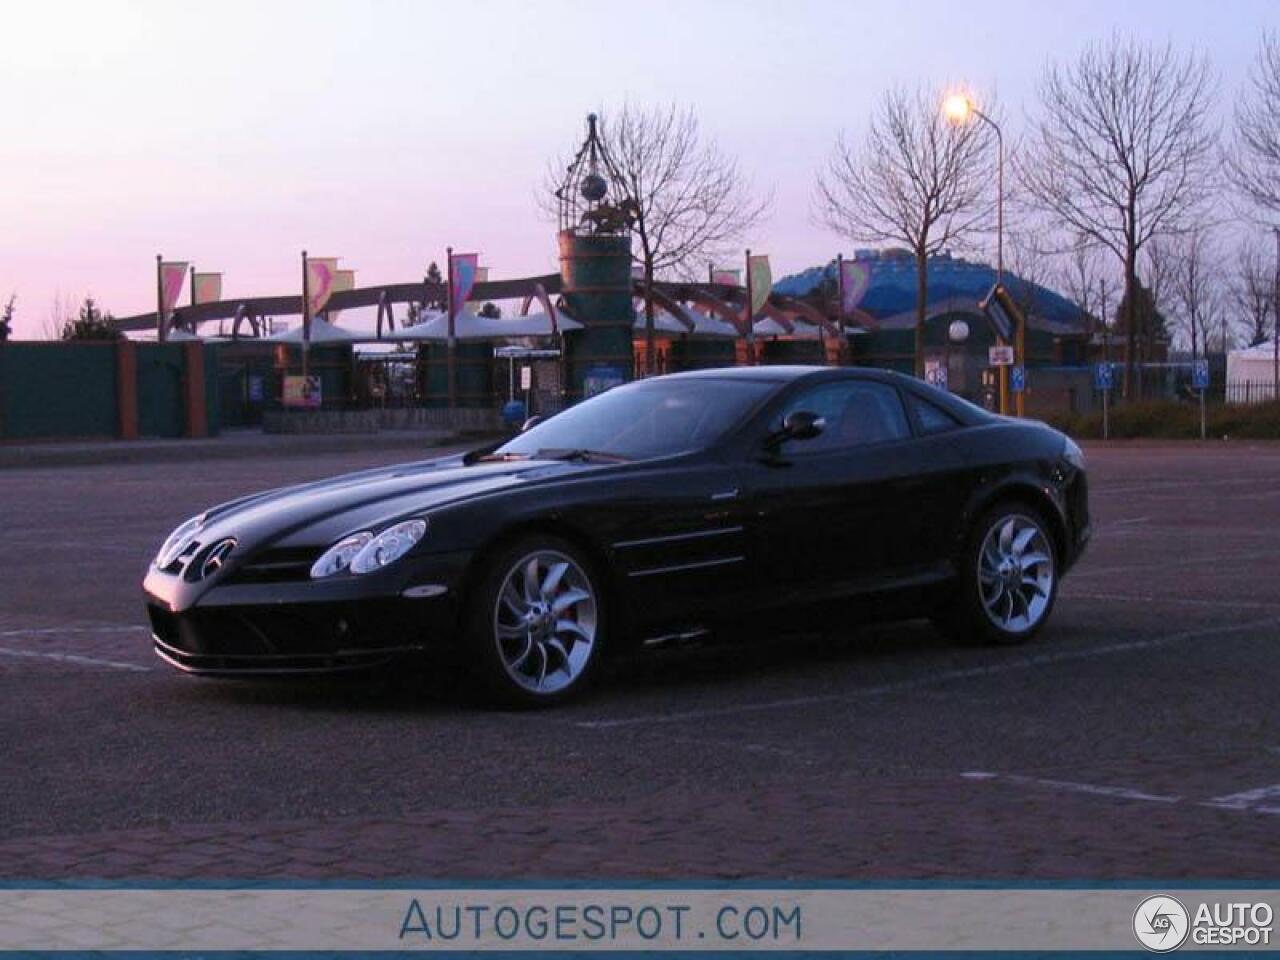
1007 580
537 623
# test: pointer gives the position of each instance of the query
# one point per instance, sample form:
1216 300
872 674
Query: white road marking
45 631
74 658
1215 559
968 673
1251 800
1185 601
1068 786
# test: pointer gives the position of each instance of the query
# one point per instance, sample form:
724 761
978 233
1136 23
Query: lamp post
958 108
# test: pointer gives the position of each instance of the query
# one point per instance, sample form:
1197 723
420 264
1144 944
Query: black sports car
663 509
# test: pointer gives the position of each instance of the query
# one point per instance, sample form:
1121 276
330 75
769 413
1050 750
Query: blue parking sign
1200 375
1018 378
1102 379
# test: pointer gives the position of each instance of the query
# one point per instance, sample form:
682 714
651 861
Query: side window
932 418
857 413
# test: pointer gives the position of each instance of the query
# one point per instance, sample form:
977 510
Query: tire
536 624
1007 579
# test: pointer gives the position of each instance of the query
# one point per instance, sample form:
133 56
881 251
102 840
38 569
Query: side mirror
797 425
530 424
802 425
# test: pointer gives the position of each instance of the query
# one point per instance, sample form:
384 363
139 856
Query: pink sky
236 134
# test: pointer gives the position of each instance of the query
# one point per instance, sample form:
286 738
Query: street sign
1001 356
935 374
526 378
1018 378
1102 376
1200 375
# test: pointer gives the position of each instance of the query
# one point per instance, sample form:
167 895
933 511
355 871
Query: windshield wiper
578 455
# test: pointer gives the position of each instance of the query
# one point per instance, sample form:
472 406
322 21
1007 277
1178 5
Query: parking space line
1250 800
1183 601
45 631
944 676
1069 786
1216 559
74 658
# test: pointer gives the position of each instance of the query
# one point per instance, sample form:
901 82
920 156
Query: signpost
1103 380
1000 355
1200 381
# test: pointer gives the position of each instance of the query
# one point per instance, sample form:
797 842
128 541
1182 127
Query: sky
235 135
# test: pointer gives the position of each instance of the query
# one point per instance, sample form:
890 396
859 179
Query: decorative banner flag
761 281
172 275
321 273
731 278
206 287
463 268
857 277
342 280
482 276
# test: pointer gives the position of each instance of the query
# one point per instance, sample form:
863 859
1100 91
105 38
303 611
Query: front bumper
303 627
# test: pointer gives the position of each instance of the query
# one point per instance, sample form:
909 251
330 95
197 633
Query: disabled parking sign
1018 378
1102 376
1200 375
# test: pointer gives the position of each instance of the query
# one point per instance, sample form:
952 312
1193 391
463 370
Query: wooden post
751 327
451 358
844 340
127 389
306 314
162 332
196 409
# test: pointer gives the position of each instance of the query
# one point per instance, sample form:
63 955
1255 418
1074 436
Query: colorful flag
761 281
206 287
172 275
730 278
321 273
463 268
857 277
342 280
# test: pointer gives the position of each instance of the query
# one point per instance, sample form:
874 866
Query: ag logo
1161 923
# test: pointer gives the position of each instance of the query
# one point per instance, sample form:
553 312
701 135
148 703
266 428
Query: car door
839 514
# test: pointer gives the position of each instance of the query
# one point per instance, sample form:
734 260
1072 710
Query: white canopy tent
1251 374
322 332
469 326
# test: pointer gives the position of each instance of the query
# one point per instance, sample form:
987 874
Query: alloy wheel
1015 573
545 622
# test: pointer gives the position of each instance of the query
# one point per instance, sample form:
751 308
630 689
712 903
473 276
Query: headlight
388 546
1073 454
178 541
338 557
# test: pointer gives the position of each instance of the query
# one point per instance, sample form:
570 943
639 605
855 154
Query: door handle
725 495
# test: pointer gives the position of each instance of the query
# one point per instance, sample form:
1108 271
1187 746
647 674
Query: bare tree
1122 152
1159 264
1251 291
914 179
687 201
1254 159
1195 287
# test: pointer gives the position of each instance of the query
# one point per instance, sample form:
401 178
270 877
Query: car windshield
652 418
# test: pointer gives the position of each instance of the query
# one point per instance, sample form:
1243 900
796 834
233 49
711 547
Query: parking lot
1138 737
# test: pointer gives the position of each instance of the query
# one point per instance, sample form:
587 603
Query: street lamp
959 109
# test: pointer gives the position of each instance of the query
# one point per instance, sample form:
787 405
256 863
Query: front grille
281 565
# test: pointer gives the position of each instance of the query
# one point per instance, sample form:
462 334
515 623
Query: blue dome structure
954 284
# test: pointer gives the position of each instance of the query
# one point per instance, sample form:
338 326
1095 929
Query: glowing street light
958 108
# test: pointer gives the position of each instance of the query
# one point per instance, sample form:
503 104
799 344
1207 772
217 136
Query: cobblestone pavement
1138 738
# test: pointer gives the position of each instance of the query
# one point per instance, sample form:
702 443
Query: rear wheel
537 623
1007 580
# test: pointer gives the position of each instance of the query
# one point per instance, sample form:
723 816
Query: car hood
318 514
